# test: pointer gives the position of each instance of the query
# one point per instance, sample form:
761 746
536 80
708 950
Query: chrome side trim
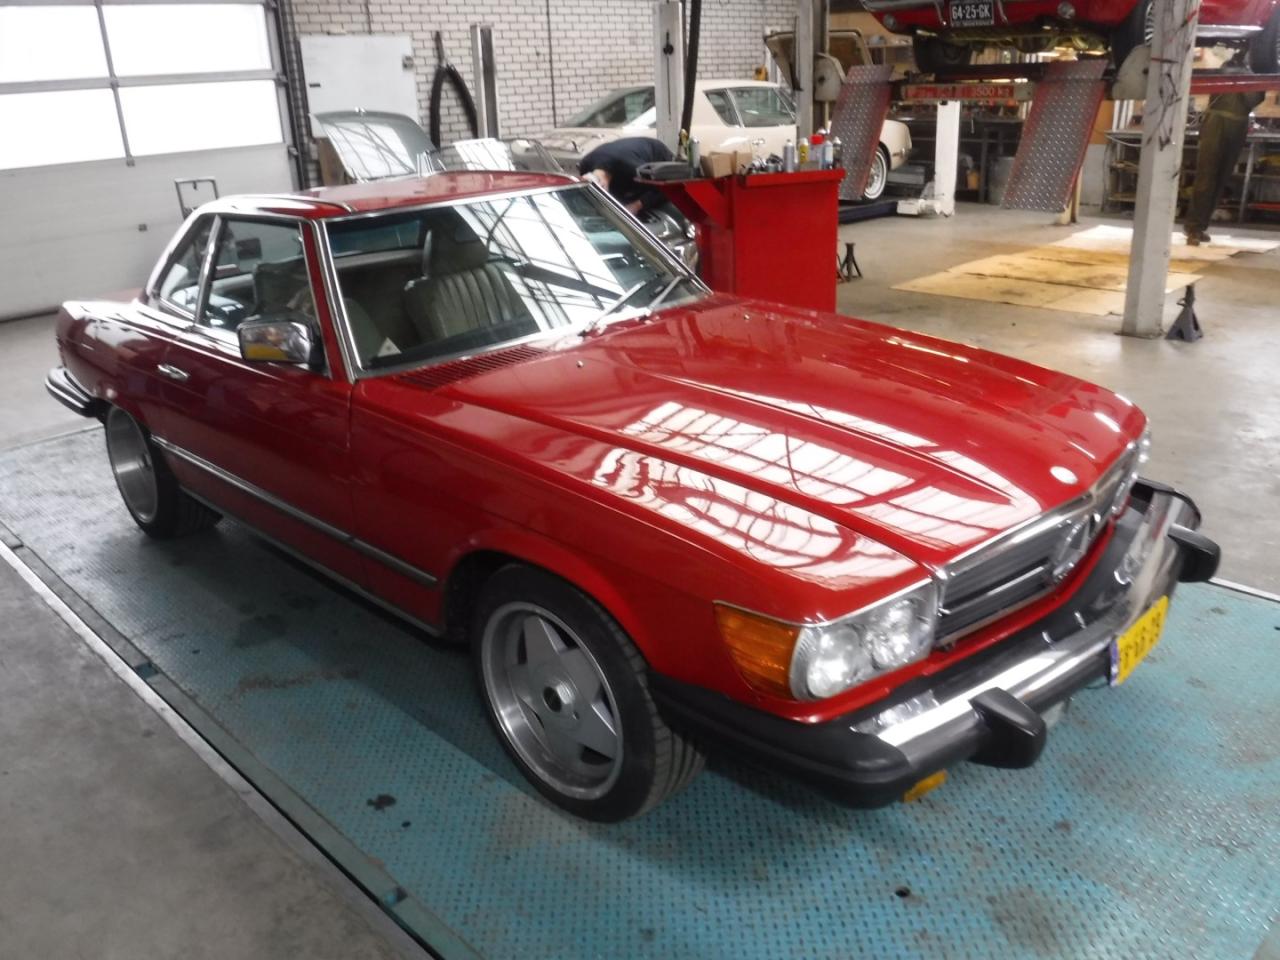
342 536
321 568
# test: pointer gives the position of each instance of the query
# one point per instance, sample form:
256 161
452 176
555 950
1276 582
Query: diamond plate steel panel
1055 135
1148 830
857 118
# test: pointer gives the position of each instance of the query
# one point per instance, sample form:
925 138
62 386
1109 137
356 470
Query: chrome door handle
173 373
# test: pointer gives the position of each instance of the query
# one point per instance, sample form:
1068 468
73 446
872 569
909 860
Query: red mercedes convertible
662 518
947 32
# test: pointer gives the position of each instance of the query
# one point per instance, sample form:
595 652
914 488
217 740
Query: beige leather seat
460 290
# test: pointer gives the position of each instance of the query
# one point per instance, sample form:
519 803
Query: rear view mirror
278 341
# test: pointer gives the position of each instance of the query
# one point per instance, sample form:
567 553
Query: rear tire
1264 48
878 178
147 486
933 54
568 696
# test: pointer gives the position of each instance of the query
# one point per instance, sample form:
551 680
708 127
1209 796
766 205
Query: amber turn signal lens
760 647
927 785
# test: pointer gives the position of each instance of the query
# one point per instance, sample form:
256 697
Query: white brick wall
595 46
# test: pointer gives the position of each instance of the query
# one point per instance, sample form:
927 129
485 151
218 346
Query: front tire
147 486
1136 31
568 696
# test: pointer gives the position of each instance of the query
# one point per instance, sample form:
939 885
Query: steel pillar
806 37
1164 122
946 158
668 66
485 80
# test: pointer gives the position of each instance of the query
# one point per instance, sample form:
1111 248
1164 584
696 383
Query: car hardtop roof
323 203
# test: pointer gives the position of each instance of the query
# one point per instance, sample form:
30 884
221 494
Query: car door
266 441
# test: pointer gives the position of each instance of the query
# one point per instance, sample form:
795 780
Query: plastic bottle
802 150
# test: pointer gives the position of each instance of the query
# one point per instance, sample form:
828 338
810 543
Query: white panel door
81 230
356 72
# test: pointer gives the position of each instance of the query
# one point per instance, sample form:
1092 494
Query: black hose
446 71
691 63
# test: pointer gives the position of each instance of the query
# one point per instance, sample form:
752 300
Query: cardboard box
725 163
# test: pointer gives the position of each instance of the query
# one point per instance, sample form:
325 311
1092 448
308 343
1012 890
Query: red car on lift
662 517
947 32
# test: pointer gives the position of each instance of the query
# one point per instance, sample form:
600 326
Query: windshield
619 109
454 280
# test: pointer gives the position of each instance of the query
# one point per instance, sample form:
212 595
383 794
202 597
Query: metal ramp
860 110
1055 135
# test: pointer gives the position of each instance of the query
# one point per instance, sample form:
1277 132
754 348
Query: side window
180 285
763 107
259 271
720 100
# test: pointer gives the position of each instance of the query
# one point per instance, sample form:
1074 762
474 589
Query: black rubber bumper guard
863 765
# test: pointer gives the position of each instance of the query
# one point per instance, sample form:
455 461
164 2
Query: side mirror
278 341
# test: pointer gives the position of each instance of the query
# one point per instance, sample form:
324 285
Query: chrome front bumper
989 707
64 388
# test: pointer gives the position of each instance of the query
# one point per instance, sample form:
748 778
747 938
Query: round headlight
896 634
837 661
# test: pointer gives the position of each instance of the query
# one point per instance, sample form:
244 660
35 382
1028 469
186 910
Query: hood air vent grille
454 370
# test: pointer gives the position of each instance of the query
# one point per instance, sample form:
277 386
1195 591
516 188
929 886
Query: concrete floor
1214 405
120 841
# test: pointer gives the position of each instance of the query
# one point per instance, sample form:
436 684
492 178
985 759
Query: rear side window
259 271
180 285
763 107
720 100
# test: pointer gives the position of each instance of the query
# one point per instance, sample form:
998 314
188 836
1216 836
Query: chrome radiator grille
1025 563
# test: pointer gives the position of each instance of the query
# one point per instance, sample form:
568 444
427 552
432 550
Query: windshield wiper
657 301
612 308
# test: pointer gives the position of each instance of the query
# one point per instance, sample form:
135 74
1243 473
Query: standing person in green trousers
1222 136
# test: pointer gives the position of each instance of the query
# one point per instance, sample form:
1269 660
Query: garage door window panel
259 272
50 43
175 118
153 39
64 126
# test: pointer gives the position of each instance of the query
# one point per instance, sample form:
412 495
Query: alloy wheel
552 701
131 463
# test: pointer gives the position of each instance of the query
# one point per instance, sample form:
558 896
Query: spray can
802 150
837 149
695 156
789 157
828 154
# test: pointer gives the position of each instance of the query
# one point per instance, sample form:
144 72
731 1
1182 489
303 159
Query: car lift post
1164 122
668 67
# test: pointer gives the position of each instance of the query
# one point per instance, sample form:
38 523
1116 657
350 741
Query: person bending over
613 165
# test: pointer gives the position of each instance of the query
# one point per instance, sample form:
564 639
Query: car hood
926 446
576 142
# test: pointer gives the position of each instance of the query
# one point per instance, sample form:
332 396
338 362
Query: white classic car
726 114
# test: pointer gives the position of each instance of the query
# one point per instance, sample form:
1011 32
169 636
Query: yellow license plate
1131 647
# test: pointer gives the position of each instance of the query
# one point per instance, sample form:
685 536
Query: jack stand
848 269
1187 326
